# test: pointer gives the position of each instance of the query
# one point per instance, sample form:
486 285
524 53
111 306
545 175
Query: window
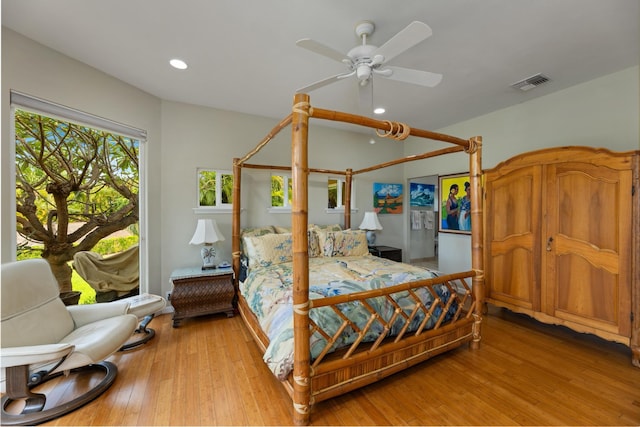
215 188
77 180
336 192
282 194
337 188
281 191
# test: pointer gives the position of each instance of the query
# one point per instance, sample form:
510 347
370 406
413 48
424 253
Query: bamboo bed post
477 261
299 220
235 222
635 270
347 199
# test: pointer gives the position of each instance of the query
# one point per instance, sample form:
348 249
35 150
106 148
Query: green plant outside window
215 188
281 191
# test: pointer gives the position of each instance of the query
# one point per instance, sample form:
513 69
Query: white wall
603 112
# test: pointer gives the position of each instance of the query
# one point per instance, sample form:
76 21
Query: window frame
218 206
22 101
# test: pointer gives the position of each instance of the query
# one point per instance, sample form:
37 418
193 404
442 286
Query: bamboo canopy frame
299 121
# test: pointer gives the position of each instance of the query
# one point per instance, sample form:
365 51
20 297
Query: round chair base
147 334
144 306
31 418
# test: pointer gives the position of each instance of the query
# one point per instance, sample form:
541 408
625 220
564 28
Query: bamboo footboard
362 363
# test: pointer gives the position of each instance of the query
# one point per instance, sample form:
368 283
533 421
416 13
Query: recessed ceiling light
178 63
379 110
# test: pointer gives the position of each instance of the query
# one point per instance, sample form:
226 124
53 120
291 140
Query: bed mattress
268 292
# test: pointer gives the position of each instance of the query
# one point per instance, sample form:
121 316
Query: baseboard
168 309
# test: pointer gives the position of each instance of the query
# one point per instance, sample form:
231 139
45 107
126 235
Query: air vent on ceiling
530 82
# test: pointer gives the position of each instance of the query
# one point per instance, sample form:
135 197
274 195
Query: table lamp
207 233
370 223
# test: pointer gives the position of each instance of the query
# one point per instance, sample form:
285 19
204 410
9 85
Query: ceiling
242 54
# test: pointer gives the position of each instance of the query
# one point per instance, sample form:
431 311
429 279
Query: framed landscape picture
387 198
455 209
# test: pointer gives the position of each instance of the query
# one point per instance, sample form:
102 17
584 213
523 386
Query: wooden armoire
562 240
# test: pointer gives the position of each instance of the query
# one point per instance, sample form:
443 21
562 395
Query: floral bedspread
268 292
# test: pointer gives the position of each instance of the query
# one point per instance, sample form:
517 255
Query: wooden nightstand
197 292
394 254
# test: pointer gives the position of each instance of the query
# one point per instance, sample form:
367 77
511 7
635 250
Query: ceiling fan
365 60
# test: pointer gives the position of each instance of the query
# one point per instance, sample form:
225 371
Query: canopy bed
386 316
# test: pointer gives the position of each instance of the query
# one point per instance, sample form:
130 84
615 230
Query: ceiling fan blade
416 77
410 36
323 50
321 83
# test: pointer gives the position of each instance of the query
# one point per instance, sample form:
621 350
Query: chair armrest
27 355
88 313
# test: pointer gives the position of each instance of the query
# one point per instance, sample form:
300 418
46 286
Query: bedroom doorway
423 221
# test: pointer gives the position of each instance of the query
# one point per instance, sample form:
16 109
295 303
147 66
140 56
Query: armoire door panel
512 198
588 292
513 227
584 195
514 285
587 263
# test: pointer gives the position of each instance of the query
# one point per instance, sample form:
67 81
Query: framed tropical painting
455 200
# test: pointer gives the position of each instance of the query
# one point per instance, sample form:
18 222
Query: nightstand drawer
388 252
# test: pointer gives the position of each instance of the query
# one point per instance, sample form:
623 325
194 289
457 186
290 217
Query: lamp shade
370 222
207 232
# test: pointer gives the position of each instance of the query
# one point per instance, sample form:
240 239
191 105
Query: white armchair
42 338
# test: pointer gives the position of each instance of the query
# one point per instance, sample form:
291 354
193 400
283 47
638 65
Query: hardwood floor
210 372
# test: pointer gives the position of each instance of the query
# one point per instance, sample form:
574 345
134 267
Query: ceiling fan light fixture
363 72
